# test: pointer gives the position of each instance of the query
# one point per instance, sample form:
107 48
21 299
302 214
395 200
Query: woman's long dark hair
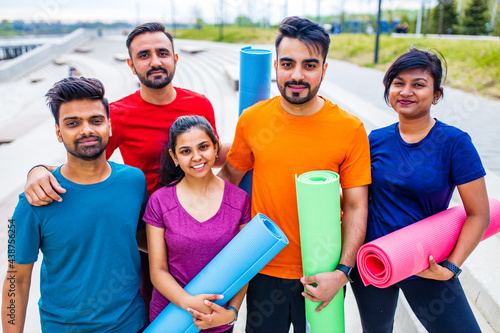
169 173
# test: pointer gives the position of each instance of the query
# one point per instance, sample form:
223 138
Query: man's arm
231 174
355 213
42 187
16 287
142 241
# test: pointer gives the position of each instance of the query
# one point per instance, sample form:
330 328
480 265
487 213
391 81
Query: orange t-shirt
278 146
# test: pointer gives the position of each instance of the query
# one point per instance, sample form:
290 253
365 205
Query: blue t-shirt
90 273
411 181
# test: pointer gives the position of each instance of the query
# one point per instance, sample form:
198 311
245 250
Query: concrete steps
34 142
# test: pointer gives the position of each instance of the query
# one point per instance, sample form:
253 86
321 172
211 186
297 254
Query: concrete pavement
358 90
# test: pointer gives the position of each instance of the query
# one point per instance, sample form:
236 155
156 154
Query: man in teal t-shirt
90 273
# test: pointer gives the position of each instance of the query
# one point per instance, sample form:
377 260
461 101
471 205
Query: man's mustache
98 138
156 70
297 83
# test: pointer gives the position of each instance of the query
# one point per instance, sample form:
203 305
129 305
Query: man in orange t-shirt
285 136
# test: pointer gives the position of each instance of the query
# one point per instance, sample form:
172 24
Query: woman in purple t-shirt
189 221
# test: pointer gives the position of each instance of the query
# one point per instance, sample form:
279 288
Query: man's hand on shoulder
42 187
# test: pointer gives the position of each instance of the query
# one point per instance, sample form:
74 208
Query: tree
444 16
493 15
476 18
496 25
197 14
5 25
243 21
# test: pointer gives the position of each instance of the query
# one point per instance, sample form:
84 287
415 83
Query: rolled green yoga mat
318 202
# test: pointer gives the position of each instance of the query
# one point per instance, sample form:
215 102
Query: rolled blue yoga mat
255 76
237 263
255 86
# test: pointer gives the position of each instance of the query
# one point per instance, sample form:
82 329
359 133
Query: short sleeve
113 142
240 155
246 212
355 170
141 225
154 212
466 164
27 229
210 116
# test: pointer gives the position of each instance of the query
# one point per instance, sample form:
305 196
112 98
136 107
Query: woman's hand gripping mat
405 252
237 263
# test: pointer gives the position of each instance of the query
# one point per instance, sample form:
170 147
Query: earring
176 165
216 156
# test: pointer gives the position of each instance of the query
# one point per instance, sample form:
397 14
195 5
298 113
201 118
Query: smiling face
299 71
153 59
195 153
411 93
83 128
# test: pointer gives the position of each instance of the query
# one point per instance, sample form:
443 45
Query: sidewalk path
24 117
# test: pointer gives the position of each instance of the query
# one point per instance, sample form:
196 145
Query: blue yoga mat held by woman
189 221
416 165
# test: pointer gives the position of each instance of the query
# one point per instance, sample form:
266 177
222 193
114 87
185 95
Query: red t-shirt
140 129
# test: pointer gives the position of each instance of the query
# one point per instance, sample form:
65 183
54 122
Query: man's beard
156 83
87 153
295 98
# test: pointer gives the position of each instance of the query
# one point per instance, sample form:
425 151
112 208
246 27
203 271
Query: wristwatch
346 270
452 267
230 307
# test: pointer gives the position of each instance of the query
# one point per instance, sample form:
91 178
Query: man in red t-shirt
140 121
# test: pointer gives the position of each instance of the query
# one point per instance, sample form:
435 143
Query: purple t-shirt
191 245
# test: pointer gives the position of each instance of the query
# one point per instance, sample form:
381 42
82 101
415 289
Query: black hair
73 89
415 58
310 33
170 174
145 28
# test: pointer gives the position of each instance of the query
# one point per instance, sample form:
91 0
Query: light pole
494 13
377 37
221 28
173 17
138 13
318 6
419 19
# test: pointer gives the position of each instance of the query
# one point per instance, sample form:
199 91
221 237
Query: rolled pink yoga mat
405 252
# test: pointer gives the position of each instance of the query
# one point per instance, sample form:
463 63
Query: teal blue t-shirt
90 273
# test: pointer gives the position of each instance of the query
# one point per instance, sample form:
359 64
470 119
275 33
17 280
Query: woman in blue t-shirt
416 165
189 221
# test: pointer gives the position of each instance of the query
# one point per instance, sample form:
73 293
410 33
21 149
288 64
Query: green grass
473 66
230 35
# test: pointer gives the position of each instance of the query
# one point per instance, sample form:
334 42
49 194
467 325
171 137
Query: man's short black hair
310 33
73 89
145 28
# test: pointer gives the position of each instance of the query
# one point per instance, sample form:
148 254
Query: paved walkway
25 120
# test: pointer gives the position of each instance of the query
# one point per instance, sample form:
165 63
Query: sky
135 11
